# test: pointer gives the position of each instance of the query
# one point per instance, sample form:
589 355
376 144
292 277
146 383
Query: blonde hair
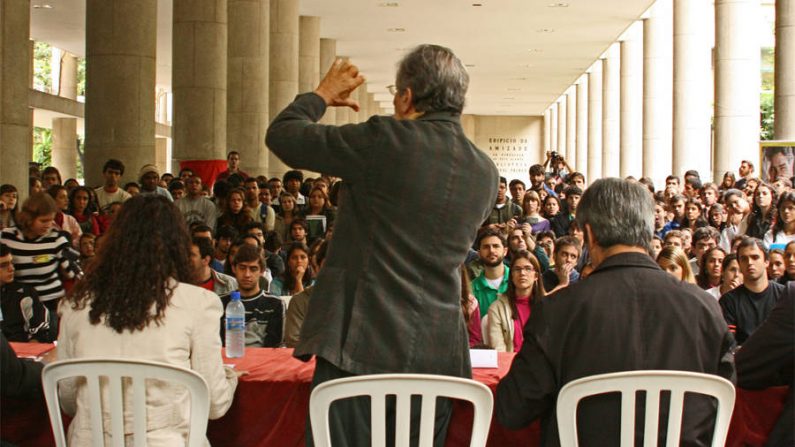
675 255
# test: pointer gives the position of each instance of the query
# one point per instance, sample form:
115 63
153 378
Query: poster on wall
776 160
511 154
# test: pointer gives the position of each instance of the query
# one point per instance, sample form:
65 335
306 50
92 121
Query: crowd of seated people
267 238
702 232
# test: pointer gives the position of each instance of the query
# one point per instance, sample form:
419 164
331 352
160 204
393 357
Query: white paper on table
483 358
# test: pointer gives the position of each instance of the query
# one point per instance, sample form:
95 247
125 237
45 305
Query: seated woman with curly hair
141 306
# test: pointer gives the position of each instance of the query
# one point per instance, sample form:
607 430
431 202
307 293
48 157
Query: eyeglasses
392 89
527 269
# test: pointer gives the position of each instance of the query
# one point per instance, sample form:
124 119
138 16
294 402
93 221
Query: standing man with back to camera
415 190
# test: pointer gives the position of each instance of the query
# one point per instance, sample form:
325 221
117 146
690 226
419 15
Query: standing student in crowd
425 144
783 231
728 181
84 212
177 190
50 176
747 306
532 213
504 209
110 191
693 215
260 211
120 310
285 216
297 274
558 221
730 278
264 313
709 273
508 315
495 277
318 205
673 260
38 249
776 266
521 238
517 189
34 185
9 196
232 167
763 211
746 172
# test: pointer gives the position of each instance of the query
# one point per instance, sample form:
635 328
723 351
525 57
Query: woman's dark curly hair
779 224
142 254
91 207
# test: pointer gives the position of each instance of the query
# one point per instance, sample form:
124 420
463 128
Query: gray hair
436 77
618 212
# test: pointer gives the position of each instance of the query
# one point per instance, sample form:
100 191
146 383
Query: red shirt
209 284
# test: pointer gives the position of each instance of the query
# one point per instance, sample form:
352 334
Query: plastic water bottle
235 327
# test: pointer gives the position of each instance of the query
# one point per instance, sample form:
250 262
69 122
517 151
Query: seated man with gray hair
626 315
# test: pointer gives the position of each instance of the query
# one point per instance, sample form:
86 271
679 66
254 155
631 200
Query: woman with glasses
508 315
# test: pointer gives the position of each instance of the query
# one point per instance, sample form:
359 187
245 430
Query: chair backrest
402 386
115 370
653 382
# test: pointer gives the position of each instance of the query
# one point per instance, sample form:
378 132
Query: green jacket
485 294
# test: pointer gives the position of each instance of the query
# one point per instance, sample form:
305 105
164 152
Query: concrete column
15 60
161 154
283 65
692 69
571 127
328 53
595 122
582 125
64 146
120 85
632 102
547 128
199 80
364 104
247 63
308 53
658 92
562 131
611 123
162 106
469 126
64 71
737 84
785 70
553 128
64 130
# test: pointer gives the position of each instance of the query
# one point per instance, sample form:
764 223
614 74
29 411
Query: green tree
42 71
42 146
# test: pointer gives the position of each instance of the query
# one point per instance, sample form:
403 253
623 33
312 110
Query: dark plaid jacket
414 194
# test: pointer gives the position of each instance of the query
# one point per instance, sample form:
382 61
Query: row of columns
644 108
236 64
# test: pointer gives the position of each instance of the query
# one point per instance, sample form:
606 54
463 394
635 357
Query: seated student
776 267
88 243
494 277
199 229
264 313
508 315
656 246
567 253
299 305
673 260
297 274
201 252
730 277
223 242
747 306
24 317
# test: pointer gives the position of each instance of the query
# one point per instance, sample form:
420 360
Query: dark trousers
349 419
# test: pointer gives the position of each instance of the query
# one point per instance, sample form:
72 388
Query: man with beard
195 207
493 280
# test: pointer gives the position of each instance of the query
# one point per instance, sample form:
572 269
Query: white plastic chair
653 382
402 386
115 370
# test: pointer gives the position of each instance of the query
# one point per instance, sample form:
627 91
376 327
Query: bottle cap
235 295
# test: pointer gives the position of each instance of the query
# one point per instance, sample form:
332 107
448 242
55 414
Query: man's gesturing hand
336 87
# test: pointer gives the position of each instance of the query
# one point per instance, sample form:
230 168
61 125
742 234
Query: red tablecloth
30 350
271 405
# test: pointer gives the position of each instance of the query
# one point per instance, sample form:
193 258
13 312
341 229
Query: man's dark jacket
626 315
414 194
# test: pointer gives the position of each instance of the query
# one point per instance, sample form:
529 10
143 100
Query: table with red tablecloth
272 401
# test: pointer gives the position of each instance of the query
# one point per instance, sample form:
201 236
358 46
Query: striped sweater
36 261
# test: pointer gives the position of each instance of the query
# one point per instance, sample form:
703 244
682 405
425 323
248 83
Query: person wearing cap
149 177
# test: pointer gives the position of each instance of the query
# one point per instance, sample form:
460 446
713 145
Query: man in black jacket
415 191
626 315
